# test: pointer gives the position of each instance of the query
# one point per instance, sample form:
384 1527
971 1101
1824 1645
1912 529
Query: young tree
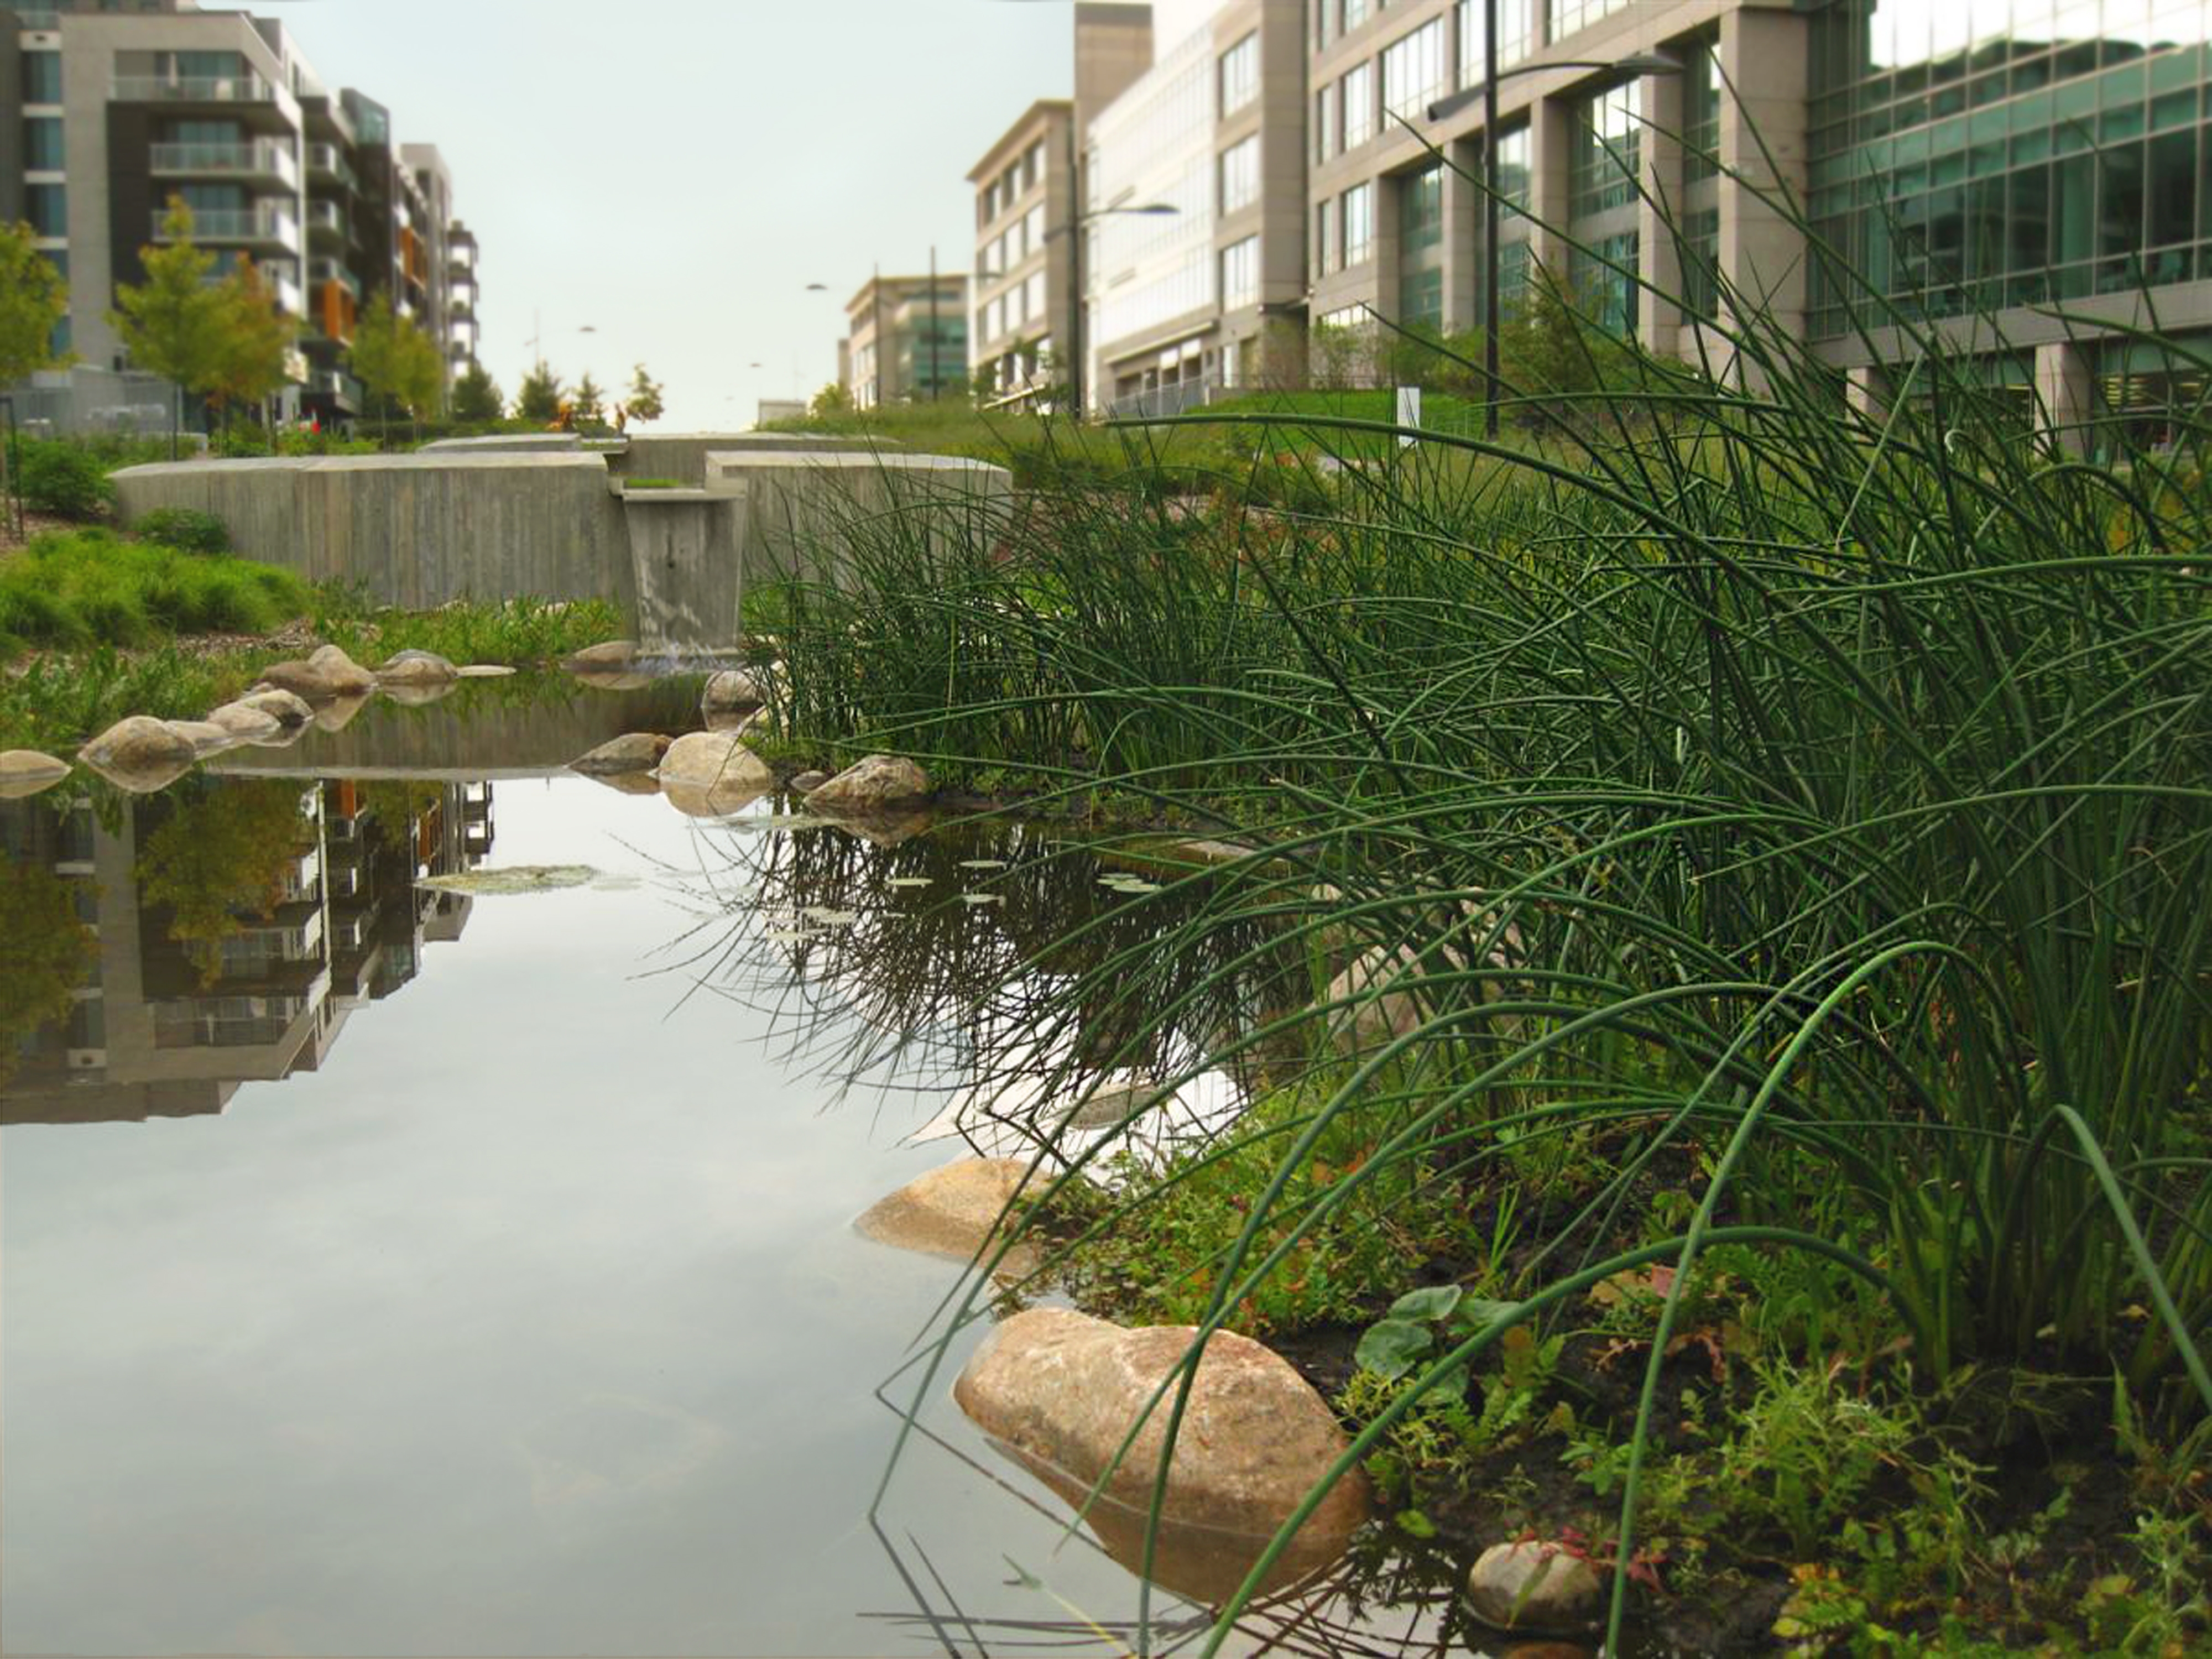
588 400
174 324
477 396
397 361
33 299
645 396
256 360
539 397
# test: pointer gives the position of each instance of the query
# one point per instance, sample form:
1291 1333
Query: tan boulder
608 657
302 678
806 782
1536 1587
717 762
879 784
634 752
206 737
346 677
339 714
642 783
696 802
26 772
732 691
420 694
248 725
1060 1391
140 754
287 708
953 1211
416 668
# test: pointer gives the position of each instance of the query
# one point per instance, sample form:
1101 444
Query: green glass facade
1970 158
1421 248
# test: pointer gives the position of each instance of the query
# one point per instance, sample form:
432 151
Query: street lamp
1444 109
1143 210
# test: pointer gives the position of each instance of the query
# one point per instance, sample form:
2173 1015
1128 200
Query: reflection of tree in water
969 975
45 953
218 860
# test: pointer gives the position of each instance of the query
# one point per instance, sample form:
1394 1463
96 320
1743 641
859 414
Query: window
1033 227
1516 23
1240 274
1358 224
1513 160
1240 175
1604 284
1604 172
1033 165
1033 302
1701 253
1701 112
1356 96
1570 16
1355 14
1328 249
1414 72
48 208
1421 209
42 77
1239 74
42 143
1016 308
1328 136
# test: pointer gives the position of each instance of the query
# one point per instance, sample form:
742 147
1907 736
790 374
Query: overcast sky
674 172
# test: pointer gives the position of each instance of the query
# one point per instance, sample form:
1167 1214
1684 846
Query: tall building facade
114 107
1025 198
906 339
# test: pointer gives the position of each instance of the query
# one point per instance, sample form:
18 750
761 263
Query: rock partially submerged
953 1212
634 752
1539 1587
806 782
732 691
608 657
288 710
140 754
339 714
1060 1391
513 878
26 772
206 737
346 677
716 762
416 668
302 678
879 784
249 725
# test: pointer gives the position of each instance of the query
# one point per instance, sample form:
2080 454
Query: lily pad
982 898
911 881
515 878
822 917
982 864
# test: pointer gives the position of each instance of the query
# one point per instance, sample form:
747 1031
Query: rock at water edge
206 737
26 772
881 783
732 691
288 710
634 752
346 677
806 782
608 657
951 1211
1535 1586
248 725
139 744
714 760
416 668
302 679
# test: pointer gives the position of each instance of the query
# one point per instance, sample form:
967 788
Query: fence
80 401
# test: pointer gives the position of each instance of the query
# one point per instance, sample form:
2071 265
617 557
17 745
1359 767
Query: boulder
416 668
206 737
732 691
417 695
806 782
714 760
337 714
346 677
1536 1587
1061 1391
881 783
26 772
289 711
248 725
608 657
953 1211
487 671
695 801
640 783
140 754
302 680
635 752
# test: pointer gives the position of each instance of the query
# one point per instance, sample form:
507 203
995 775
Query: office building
906 340
110 109
1024 257
1974 164
1194 271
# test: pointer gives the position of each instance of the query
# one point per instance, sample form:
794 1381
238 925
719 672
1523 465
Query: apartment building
1025 198
1976 166
906 339
1194 211
108 109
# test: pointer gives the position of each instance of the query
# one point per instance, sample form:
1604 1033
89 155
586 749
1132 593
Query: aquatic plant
89 586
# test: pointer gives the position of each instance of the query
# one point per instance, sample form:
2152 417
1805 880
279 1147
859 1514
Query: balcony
327 165
38 17
260 162
327 223
264 227
336 388
239 94
332 271
283 279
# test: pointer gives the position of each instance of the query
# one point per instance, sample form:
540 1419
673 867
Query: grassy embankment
1778 838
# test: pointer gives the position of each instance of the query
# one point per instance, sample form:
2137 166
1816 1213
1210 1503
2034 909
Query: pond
398 1270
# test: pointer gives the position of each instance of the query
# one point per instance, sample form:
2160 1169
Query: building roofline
1042 109
922 278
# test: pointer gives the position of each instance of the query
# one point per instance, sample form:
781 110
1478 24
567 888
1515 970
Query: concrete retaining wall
415 530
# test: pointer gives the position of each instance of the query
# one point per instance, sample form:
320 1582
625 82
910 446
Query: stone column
2065 396
1462 235
1867 389
1763 58
1551 160
1658 317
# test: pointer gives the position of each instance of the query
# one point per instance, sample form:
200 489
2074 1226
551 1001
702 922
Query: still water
392 1271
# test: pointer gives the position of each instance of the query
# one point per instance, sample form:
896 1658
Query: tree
644 402
539 397
34 300
587 400
174 324
256 357
49 952
833 399
396 361
219 860
477 396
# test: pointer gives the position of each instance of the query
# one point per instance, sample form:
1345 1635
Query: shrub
63 480
186 529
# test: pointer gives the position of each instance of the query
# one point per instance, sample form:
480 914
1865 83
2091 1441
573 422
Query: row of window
1344 230
1014 310
1020 178
1026 236
1240 175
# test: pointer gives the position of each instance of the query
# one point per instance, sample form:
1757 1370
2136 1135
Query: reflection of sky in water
531 1323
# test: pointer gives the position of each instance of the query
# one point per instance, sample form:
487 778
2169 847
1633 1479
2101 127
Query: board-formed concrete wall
417 530
795 515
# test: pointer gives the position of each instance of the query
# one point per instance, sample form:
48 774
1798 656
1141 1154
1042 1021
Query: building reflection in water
236 925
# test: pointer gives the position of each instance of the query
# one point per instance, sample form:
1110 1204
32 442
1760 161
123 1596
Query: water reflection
224 932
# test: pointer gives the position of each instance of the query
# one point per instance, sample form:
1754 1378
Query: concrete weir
556 517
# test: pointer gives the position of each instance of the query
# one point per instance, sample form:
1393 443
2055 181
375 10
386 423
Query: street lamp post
1073 230
1443 109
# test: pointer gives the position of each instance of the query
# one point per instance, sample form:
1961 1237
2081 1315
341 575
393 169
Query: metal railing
326 216
192 89
1158 401
266 223
262 158
331 270
330 160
